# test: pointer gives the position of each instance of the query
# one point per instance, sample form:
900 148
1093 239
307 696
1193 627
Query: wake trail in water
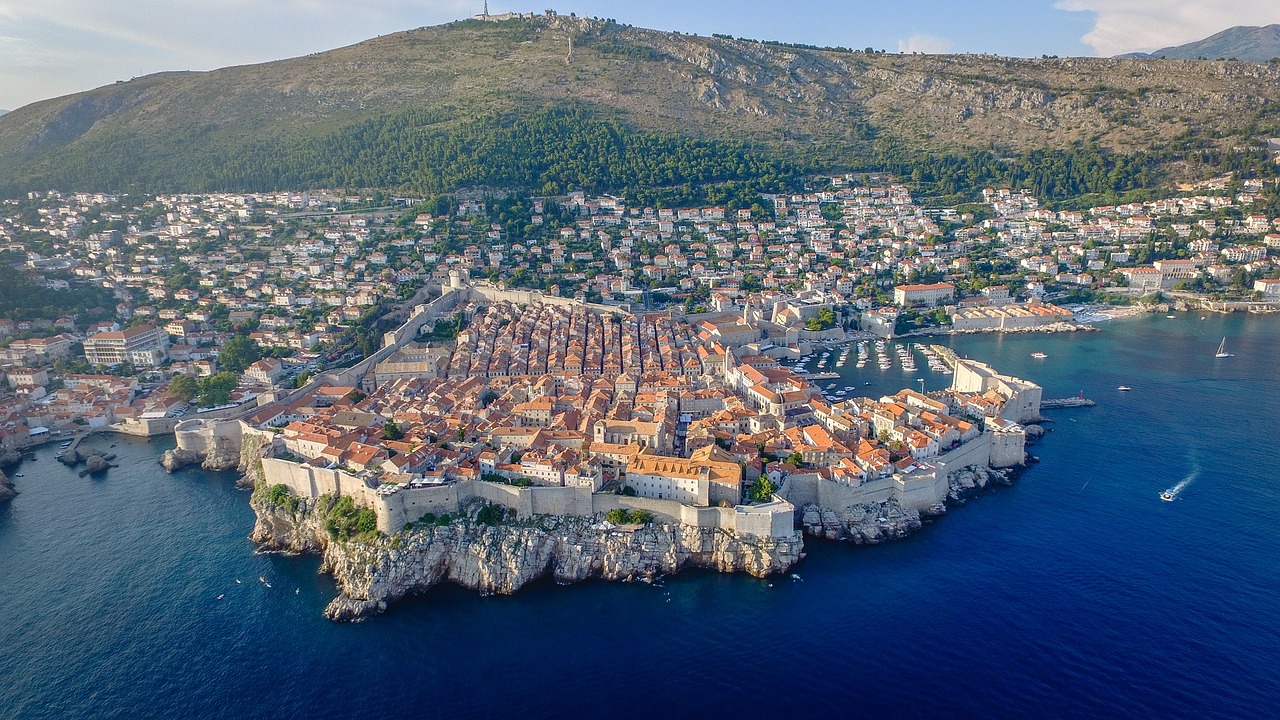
1176 490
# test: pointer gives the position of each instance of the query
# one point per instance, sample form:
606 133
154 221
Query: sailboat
1222 350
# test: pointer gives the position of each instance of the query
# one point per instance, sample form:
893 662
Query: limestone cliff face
870 524
501 559
177 458
862 524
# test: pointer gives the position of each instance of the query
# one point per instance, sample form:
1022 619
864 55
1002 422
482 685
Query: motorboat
1039 355
1167 496
1124 388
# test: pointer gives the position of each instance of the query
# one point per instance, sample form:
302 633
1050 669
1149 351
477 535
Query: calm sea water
1076 593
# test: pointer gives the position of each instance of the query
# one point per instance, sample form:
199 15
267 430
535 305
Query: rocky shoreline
503 557
876 523
7 490
500 558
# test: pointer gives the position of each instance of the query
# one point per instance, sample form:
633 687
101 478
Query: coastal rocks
177 458
7 490
1034 432
10 458
966 483
95 463
502 558
861 524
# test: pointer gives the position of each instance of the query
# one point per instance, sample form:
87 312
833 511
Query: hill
1243 42
498 105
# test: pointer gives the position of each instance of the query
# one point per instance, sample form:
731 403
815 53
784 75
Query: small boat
1222 350
1172 317
261 579
267 584
19 475
1124 388
219 597
237 581
1167 496
1038 355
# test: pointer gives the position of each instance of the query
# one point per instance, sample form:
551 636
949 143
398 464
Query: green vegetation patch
345 520
621 516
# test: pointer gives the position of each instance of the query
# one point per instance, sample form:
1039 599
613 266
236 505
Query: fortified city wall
407 505
919 490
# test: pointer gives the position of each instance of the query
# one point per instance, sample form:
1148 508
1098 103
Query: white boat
1039 355
1222 350
1124 388
1167 496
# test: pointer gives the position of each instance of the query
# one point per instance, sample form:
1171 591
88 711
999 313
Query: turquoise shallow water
1075 593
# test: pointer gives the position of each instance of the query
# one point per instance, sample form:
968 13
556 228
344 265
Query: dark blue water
1076 593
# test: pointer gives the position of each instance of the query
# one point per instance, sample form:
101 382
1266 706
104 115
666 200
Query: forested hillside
499 106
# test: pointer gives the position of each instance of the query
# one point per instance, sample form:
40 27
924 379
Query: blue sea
1076 593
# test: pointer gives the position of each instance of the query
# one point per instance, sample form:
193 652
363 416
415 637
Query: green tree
763 490
216 389
239 353
184 388
795 458
392 431
641 517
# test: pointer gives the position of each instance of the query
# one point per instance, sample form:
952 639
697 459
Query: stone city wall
409 505
916 491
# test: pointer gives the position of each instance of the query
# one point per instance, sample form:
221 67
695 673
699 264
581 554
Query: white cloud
1123 26
928 44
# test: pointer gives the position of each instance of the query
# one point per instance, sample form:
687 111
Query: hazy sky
55 47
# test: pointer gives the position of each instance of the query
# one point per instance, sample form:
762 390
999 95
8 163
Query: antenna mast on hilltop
486 9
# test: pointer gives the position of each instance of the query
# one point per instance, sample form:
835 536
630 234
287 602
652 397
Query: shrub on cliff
344 519
491 514
629 517
279 495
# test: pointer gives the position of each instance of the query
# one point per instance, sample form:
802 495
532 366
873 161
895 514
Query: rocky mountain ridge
824 106
1242 42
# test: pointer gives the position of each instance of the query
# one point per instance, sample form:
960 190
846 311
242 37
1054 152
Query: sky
50 48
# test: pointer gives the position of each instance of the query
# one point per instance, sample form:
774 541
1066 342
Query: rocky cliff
504 557
219 451
869 524
7 491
